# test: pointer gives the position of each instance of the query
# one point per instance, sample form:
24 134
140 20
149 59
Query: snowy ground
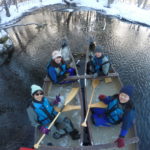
122 10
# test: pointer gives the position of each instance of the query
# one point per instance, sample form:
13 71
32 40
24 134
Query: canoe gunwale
93 147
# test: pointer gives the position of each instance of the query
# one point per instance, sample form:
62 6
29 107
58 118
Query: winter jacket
56 71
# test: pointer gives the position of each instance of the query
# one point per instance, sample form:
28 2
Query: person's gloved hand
102 97
120 142
57 100
61 103
44 130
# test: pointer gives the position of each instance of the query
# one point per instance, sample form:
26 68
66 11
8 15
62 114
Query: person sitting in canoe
99 64
57 69
119 109
41 113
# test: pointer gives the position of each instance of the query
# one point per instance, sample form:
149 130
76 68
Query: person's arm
32 117
128 118
52 74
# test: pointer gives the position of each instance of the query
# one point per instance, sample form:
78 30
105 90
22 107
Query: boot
57 135
75 134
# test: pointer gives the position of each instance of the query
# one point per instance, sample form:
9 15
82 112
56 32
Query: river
128 47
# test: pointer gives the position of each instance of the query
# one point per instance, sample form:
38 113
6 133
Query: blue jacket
126 113
55 71
44 111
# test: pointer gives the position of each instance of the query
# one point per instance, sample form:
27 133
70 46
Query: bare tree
145 3
140 2
15 3
109 2
6 8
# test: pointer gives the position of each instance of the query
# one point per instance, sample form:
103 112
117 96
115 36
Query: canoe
101 135
94 138
76 116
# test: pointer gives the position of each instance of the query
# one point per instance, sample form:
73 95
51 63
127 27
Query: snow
2 48
3 34
9 43
122 10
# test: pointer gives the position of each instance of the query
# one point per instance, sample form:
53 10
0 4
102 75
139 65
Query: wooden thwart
115 74
128 141
68 108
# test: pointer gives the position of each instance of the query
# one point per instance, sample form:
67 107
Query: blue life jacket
101 63
97 62
45 112
114 112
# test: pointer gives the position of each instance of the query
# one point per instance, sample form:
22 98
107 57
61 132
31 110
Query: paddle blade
68 108
95 83
84 124
98 105
71 95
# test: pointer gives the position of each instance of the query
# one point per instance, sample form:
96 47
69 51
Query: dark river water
127 45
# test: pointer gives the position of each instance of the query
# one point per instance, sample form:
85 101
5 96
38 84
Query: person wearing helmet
41 113
120 109
57 68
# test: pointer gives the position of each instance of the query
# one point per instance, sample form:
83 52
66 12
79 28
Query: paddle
95 83
68 108
77 107
98 105
69 97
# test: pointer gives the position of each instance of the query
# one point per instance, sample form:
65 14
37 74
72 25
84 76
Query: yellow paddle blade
98 105
108 80
95 83
71 95
68 108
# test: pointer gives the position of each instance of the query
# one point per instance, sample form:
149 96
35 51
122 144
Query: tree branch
28 24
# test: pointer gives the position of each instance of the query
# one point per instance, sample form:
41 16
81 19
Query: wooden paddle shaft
84 123
42 137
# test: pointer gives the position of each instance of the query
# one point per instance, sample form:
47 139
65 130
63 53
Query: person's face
98 54
58 60
38 95
123 98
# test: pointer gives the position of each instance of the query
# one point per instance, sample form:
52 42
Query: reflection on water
127 46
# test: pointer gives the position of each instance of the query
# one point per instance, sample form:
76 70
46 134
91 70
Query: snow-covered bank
122 10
